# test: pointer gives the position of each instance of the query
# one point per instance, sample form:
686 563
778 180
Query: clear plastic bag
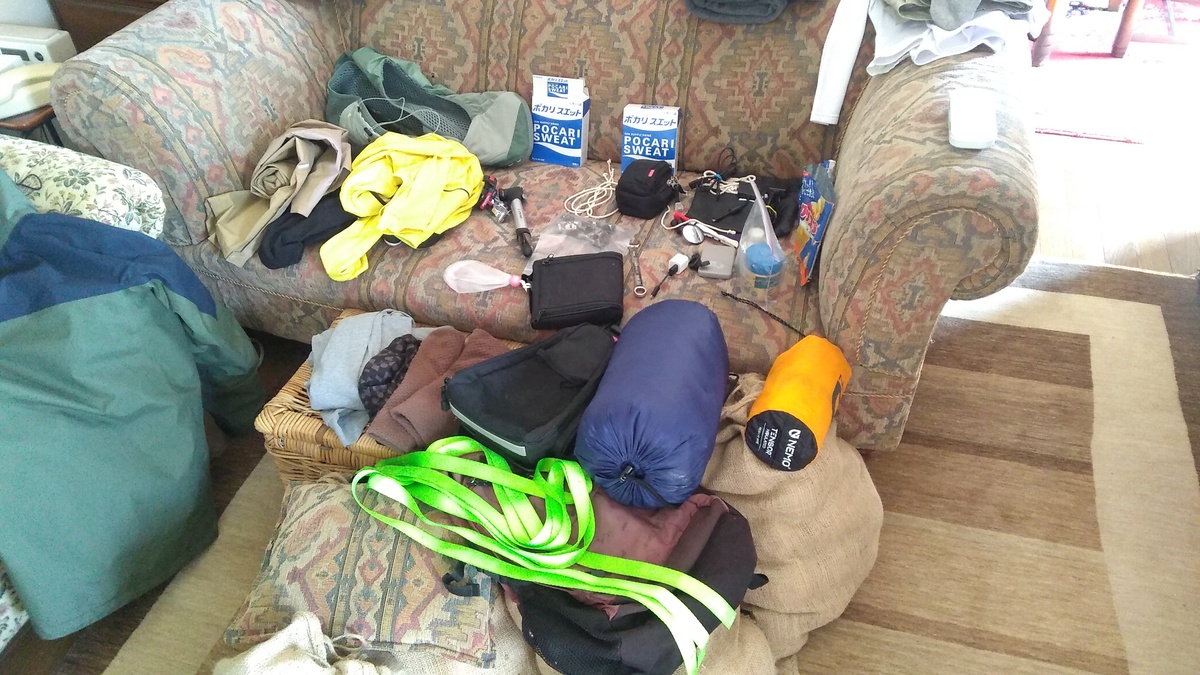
760 258
569 234
472 276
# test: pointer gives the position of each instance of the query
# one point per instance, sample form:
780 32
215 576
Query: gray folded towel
737 11
952 14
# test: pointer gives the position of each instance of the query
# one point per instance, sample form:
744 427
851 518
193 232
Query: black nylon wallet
574 289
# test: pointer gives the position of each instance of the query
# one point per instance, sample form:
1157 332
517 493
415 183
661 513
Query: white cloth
837 59
897 38
338 357
299 649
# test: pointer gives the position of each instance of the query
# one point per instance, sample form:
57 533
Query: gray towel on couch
952 14
737 11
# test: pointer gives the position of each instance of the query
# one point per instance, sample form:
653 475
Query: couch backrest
749 86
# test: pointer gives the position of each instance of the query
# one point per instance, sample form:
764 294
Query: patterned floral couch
194 91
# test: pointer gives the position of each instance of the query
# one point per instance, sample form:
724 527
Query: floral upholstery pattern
63 181
918 222
12 613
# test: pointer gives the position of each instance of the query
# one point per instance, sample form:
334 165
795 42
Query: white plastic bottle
760 259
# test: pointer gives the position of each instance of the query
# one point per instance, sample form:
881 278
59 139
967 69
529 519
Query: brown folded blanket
413 417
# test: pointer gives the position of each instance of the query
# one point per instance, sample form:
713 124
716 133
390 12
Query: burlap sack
816 530
740 650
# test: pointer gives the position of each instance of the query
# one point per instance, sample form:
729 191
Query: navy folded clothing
737 11
287 236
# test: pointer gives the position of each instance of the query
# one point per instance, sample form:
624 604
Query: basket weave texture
298 440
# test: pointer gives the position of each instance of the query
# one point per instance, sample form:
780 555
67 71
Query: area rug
1081 91
1042 514
1043 511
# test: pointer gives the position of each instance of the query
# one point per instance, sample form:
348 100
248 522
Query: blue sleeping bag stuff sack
652 425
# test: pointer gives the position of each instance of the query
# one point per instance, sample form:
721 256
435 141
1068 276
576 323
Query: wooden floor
1119 203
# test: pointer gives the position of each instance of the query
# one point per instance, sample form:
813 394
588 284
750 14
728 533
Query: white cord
692 221
586 202
728 186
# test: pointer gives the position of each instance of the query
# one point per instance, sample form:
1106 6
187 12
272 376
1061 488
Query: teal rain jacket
109 344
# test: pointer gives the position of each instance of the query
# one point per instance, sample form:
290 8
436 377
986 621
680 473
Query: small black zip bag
576 289
646 188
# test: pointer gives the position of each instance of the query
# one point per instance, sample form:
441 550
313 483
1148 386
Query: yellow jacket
409 187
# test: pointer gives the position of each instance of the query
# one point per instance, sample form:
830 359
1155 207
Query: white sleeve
837 59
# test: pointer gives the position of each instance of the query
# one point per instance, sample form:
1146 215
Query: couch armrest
64 181
193 92
919 222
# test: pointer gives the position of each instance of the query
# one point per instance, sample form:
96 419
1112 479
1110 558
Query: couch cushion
754 339
301 300
749 85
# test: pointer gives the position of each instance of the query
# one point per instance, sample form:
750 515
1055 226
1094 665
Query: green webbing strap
520 545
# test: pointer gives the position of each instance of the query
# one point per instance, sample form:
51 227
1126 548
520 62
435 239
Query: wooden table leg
1044 45
1125 32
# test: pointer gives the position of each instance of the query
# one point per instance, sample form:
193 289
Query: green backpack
370 93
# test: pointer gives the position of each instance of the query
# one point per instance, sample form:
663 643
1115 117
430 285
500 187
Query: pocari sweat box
649 132
561 108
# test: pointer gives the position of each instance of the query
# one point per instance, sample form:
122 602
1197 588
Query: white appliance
34 44
25 88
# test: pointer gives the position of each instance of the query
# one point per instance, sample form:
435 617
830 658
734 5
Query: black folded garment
737 11
286 237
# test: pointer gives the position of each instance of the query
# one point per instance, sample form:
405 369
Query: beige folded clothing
310 160
413 417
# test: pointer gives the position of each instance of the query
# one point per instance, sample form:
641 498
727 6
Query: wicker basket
302 446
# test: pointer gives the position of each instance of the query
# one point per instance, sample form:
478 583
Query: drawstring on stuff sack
520 545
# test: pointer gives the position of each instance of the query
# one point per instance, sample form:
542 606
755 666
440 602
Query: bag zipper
577 309
552 259
515 449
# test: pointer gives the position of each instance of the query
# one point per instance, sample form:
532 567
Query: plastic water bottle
759 258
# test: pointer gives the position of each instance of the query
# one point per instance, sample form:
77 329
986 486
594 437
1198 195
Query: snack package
817 200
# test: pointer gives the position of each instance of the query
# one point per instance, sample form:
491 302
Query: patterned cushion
64 181
749 85
360 576
302 300
12 613
754 339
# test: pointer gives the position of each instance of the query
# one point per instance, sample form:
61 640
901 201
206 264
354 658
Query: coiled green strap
521 545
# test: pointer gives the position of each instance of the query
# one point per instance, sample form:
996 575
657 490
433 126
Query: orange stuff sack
790 418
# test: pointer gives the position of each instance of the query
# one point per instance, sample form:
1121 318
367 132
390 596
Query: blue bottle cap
762 261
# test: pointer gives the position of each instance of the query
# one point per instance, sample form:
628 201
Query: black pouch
645 188
527 404
573 289
726 210
578 639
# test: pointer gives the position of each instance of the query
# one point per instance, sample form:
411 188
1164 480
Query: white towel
837 59
897 38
